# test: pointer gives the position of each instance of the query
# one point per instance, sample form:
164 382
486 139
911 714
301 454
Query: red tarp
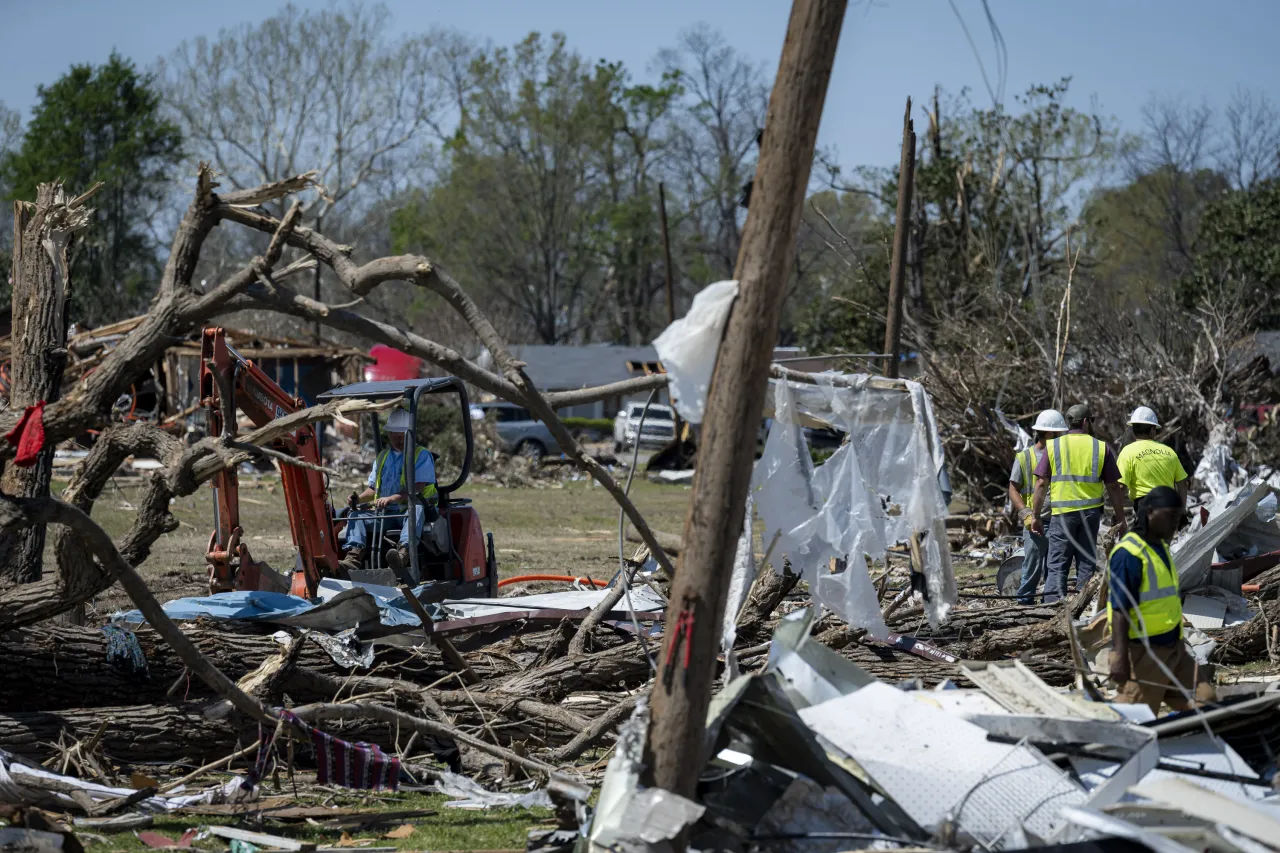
392 364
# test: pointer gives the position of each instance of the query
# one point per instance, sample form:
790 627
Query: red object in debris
392 364
28 435
162 842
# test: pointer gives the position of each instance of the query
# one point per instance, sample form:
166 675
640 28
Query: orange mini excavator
460 561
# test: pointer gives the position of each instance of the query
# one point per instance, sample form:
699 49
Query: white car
659 427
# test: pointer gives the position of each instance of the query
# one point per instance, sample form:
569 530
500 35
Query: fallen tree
180 307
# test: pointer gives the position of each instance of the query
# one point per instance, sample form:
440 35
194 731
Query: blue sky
1120 52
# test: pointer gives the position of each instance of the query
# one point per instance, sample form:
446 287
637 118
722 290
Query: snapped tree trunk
42 234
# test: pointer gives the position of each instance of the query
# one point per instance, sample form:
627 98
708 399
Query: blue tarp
339 605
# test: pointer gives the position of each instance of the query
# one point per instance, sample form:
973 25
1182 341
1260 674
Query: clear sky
1118 51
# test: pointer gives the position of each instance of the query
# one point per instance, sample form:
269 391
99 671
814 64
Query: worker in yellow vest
1149 662
1077 474
1022 485
1146 463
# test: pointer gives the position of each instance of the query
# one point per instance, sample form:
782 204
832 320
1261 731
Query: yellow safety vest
1075 473
1158 601
1027 462
428 490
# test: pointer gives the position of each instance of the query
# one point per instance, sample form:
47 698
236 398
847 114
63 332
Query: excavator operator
388 490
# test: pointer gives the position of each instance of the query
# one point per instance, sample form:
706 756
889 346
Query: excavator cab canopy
412 391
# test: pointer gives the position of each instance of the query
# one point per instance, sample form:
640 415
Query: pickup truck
659 427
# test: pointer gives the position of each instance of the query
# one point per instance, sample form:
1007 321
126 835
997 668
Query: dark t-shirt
1110 472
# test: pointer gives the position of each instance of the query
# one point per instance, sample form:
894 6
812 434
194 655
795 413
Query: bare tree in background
332 90
714 144
1251 139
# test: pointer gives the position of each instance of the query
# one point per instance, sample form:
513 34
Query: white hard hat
1050 420
399 421
1145 416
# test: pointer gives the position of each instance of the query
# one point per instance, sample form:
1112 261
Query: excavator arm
223 371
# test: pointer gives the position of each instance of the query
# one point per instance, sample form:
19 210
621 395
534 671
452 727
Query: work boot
398 558
354 559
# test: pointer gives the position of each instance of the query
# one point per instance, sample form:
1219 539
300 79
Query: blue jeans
362 522
1072 536
1035 549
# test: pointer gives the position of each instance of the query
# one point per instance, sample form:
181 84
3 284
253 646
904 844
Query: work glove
1027 517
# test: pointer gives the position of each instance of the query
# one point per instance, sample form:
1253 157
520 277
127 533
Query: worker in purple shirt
1077 473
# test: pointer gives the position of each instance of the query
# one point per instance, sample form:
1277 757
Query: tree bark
674 748
42 235
152 732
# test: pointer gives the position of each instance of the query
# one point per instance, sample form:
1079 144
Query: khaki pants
1148 685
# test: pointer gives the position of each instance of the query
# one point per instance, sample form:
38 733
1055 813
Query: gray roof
567 368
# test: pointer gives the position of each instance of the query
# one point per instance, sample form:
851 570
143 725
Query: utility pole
681 695
901 230
666 253
677 426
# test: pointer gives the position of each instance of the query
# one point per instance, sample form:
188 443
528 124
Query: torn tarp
688 347
878 489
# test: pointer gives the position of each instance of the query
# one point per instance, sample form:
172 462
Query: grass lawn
447 829
568 528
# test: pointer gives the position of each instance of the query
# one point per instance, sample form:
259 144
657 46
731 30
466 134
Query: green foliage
104 124
521 208
1239 242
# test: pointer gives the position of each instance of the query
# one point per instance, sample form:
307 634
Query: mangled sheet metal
1240 521
880 488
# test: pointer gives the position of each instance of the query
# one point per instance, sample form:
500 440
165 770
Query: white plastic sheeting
687 348
878 489
744 574
468 794
1218 471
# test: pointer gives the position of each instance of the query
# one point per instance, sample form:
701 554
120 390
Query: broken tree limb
768 591
14 512
423 272
1247 641
620 667
675 744
670 542
599 727
1050 633
371 710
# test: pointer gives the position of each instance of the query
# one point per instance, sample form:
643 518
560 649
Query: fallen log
766 594
1044 635
622 667
138 733
670 542
49 667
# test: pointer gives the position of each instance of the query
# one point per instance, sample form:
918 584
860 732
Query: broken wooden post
42 235
898 263
735 405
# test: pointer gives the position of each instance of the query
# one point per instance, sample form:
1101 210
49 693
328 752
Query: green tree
104 124
521 206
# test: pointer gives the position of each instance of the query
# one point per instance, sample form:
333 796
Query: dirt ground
567 528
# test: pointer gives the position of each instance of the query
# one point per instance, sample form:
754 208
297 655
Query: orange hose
565 578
